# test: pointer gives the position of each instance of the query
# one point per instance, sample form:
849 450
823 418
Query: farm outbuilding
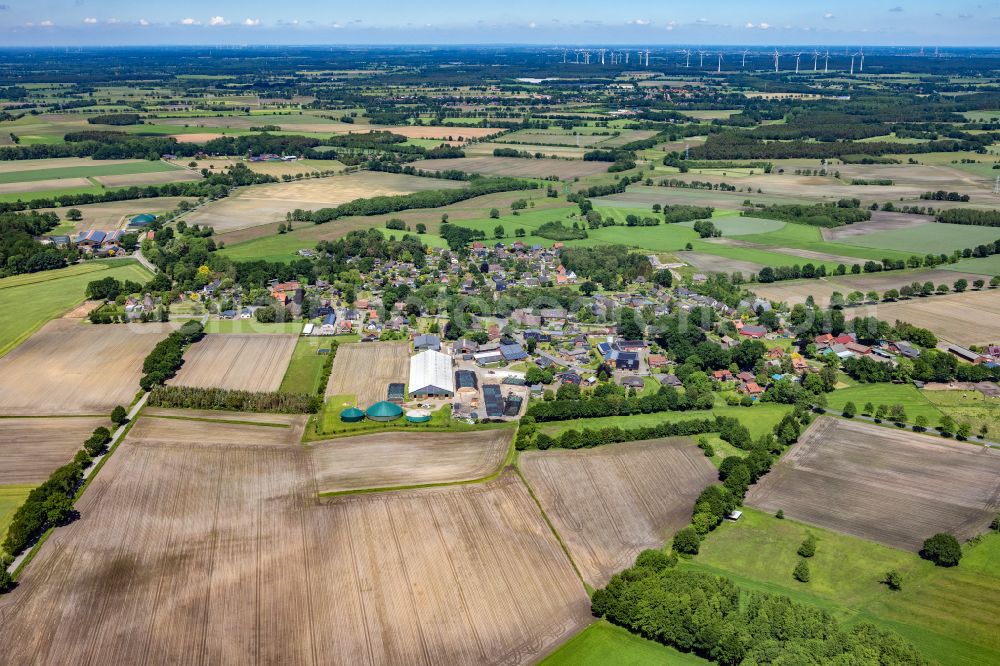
396 392
430 374
384 411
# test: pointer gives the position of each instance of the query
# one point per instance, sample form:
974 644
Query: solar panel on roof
493 400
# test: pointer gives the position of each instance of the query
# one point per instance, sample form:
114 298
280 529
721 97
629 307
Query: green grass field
910 397
251 326
306 367
11 497
970 407
97 169
948 614
806 237
603 643
735 225
986 266
932 237
759 419
9 197
38 297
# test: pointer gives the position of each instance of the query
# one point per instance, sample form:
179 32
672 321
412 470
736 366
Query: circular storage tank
352 415
384 411
418 416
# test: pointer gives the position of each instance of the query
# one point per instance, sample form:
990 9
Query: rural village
385 355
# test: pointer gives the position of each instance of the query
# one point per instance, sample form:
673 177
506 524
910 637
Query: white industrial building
430 375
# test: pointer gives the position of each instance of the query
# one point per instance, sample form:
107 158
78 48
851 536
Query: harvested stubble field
44 185
515 166
793 292
609 503
891 486
178 545
881 221
263 204
246 362
69 367
431 131
365 370
31 448
968 318
895 279
157 178
710 263
183 427
407 459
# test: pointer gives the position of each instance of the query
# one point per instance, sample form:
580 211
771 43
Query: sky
557 22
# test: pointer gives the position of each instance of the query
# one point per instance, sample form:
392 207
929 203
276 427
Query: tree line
188 397
712 617
167 356
427 199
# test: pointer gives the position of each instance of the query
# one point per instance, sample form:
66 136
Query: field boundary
117 438
555 533
508 462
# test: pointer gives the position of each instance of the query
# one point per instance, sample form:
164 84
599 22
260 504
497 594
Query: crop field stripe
263 424
552 528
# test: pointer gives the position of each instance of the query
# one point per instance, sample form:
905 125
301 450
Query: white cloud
828 15
639 22
189 21
217 20
251 22
143 22
532 25
90 21
46 24
760 26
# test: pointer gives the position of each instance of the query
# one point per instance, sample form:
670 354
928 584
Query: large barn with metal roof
430 375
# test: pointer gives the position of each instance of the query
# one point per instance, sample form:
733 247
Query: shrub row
189 397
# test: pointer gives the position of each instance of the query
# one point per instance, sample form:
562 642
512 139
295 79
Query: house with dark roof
422 342
513 352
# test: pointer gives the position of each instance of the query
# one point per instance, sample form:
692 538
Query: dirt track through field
30 449
611 502
246 362
407 458
202 553
365 370
891 486
69 367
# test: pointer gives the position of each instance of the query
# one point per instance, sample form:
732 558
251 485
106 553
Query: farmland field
931 237
968 318
611 502
11 498
970 407
467 574
73 368
261 204
406 459
31 448
183 427
604 643
914 401
76 168
242 362
38 297
365 370
759 552
234 326
847 475
515 166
